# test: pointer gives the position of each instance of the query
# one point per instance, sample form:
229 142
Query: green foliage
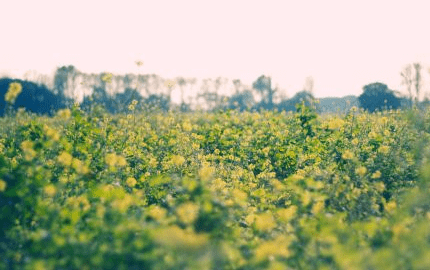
224 190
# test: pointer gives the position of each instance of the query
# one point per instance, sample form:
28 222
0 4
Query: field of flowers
225 190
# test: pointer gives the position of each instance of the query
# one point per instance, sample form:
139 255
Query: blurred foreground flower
107 78
65 113
14 90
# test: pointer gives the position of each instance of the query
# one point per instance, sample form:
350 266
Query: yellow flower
186 126
177 238
107 78
50 190
380 186
335 123
384 149
52 133
265 222
361 171
239 196
3 185
65 159
79 166
122 204
306 197
64 114
347 155
187 212
158 213
376 175
131 182
178 160
276 247
390 206
206 172
317 207
112 160
355 141
14 90
287 214
372 135
27 147
121 161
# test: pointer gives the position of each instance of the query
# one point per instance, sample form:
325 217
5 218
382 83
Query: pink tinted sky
343 45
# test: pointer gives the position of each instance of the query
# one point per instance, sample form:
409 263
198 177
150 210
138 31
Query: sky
342 45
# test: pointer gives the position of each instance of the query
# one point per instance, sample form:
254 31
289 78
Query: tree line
113 93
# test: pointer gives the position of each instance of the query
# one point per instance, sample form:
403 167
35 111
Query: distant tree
181 82
377 96
299 97
264 86
211 99
100 98
417 80
241 100
237 86
60 80
123 100
34 98
160 102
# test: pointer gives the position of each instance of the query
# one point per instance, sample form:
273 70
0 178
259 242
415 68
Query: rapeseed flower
158 213
380 186
317 207
361 171
270 249
64 114
131 182
14 90
3 185
206 172
347 155
107 78
178 160
187 212
376 175
65 159
27 147
390 206
335 123
50 190
286 214
79 166
186 126
265 222
384 149
177 238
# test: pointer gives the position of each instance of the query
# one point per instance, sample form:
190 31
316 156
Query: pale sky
343 45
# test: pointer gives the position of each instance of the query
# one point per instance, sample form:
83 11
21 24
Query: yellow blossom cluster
15 88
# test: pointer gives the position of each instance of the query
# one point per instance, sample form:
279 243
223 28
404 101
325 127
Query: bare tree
264 86
309 85
407 81
417 81
181 82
